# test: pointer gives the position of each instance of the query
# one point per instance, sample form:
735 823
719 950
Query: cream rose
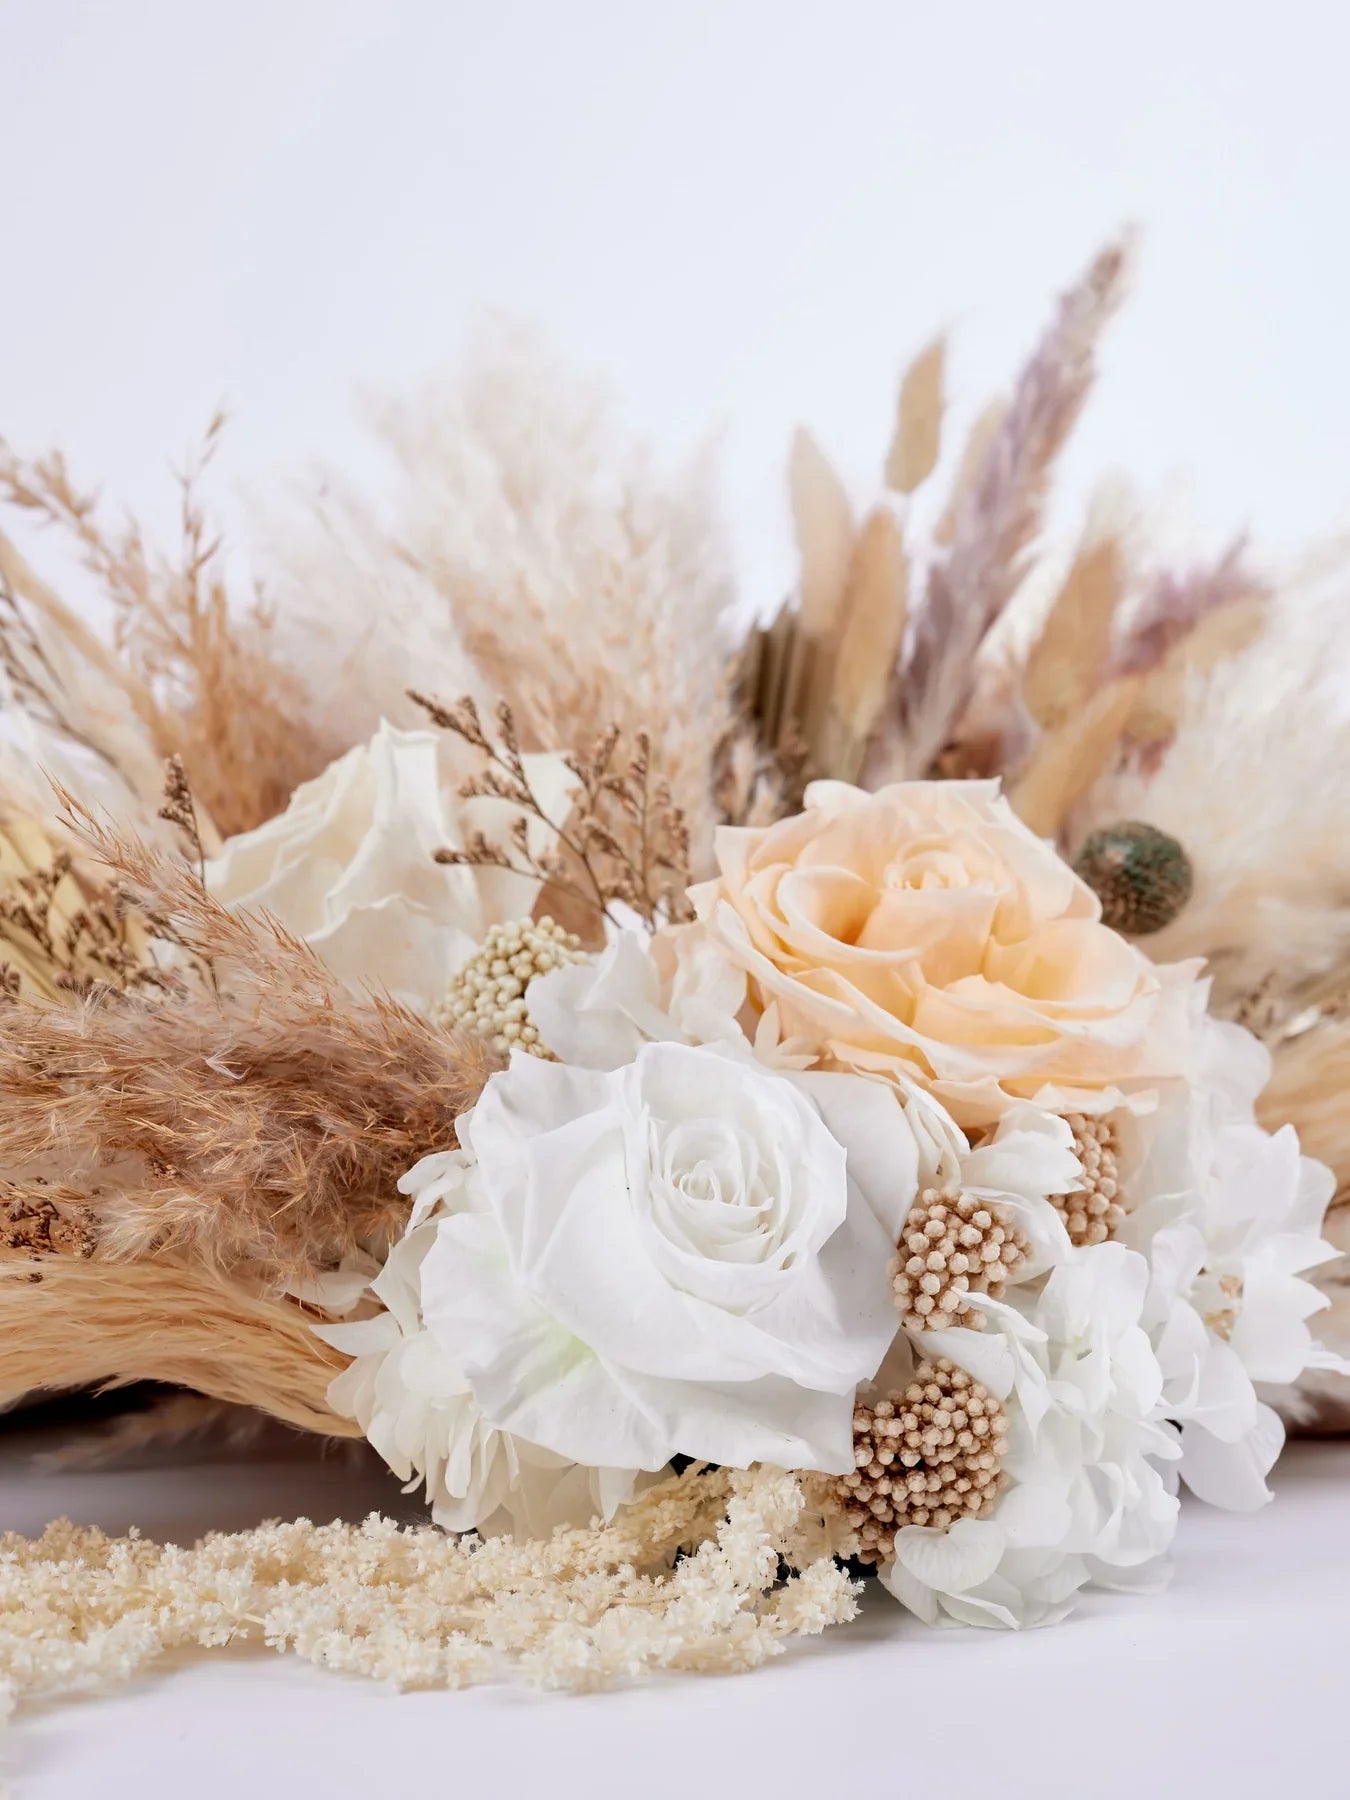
924 932
349 865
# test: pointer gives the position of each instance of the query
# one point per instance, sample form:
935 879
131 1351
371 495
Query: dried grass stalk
82 1324
822 520
913 454
997 519
261 1116
199 676
986 427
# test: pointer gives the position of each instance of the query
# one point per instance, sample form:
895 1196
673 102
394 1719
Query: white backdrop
744 212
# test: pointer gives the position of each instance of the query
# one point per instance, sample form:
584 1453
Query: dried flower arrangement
751 1115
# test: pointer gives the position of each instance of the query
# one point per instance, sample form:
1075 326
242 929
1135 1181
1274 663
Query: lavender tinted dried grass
996 520
260 1116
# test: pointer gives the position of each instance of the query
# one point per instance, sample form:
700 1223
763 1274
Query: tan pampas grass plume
913 454
260 1116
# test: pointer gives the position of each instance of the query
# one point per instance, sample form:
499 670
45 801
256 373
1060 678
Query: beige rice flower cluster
488 993
1092 1213
928 1456
423 1609
952 1245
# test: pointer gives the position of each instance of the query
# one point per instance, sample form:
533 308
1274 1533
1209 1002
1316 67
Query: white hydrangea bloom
417 1408
1086 1498
1229 1216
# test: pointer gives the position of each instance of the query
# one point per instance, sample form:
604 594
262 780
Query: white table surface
1234 1683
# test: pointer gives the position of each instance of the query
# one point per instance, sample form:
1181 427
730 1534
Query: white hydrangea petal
954 1560
1232 1475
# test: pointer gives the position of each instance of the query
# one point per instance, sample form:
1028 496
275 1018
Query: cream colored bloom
924 931
687 1255
349 865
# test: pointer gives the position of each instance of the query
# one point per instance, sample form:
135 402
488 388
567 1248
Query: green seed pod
1142 876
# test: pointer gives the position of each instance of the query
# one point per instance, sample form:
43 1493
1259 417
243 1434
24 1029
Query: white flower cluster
679 1240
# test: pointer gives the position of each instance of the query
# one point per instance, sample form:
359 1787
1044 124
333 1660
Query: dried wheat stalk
199 676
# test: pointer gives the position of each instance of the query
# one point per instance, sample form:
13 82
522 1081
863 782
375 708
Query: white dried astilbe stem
80 1611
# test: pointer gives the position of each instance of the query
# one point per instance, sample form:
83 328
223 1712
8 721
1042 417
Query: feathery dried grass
188 674
261 1116
528 554
1065 666
996 519
81 1324
1309 1088
1255 783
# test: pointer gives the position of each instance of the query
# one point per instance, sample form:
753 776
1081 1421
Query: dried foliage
88 1323
259 1115
1068 659
585 1609
189 674
624 842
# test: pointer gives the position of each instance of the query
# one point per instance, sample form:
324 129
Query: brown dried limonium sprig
624 842
258 1116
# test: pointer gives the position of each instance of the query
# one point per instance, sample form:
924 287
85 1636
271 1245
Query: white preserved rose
349 865
687 1255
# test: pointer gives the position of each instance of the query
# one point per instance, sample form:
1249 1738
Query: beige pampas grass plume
1064 668
914 448
527 550
258 1116
874 614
